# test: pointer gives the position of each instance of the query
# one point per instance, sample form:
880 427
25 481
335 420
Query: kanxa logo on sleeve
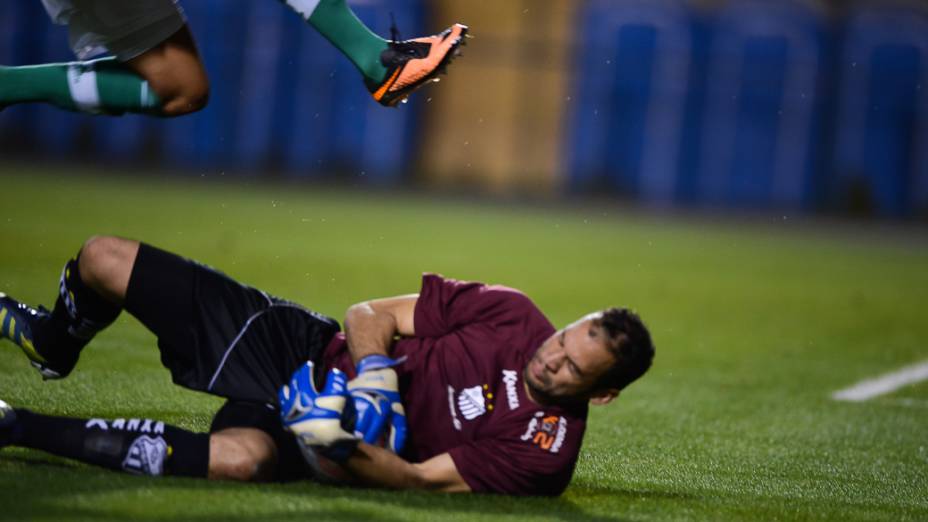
546 431
510 378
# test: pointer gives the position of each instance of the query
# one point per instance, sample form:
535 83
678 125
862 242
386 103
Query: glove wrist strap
378 362
340 451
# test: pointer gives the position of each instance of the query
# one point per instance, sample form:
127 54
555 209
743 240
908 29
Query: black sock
79 314
139 446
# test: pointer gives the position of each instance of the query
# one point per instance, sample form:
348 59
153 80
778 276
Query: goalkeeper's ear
604 397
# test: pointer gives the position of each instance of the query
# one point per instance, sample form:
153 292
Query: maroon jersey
462 388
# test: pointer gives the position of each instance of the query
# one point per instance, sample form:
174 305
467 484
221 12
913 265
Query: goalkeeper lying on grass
461 387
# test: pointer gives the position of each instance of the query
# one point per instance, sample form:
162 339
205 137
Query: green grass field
756 323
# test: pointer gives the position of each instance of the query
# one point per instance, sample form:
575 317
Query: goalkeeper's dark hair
630 342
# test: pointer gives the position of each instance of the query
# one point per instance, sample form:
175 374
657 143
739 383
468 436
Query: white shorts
124 28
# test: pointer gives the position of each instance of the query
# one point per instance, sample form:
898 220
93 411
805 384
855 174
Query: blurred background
773 105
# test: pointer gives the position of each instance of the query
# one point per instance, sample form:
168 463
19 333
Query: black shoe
18 323
413 63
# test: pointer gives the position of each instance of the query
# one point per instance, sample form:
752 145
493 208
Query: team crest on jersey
546 431
470 402
475 401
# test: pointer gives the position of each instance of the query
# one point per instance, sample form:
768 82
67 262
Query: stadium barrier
631 89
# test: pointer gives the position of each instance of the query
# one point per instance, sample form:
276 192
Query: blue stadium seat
269 48
881 155
627 114
762 114
207 138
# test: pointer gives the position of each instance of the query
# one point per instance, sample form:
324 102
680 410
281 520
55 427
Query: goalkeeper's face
569 363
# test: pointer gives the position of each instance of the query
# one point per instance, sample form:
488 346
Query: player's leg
140 446
167 80
249 448
102 86
215 334
249 443
339 25
244 442
391 69
246 454
174 71
143 446
91 291
172 296
156 68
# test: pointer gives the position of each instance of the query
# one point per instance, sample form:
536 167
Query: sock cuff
82 84
188 453
87 309
304 7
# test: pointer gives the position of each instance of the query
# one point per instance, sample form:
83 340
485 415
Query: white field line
890 382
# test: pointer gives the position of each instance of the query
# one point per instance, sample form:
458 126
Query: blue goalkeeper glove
373 414
377 378
320 419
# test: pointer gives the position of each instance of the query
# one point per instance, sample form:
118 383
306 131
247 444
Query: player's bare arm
371 326
375 466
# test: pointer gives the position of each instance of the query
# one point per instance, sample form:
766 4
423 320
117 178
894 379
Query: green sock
334 20
102 86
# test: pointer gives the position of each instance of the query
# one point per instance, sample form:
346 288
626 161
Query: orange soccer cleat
413 63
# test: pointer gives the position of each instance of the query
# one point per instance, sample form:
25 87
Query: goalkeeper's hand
322 419
377 378
373 415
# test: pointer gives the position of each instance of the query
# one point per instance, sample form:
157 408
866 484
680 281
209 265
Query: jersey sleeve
445 305
517 466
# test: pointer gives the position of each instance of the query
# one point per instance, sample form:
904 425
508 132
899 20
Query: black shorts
219 336
228 339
